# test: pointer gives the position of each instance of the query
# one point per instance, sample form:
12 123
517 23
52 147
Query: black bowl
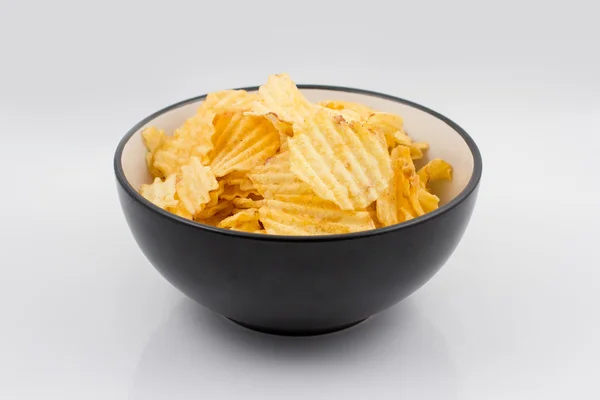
303 285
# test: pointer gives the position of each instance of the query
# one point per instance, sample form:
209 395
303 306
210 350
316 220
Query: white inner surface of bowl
444 141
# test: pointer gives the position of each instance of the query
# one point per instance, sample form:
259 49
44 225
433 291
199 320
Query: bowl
294 285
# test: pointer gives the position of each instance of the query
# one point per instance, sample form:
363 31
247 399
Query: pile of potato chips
272 162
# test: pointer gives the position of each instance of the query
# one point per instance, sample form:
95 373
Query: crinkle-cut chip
372 210
161 193
397 203
250 227
233 191
244 220
223 206
281 97
153 138
428 201
275 178
342 162
180 210
348 114
194 138
390 124
244 202
195 184
215 195
235 178
363 111
310 215
239 179
434 170
216 218
230 101
171 155
242 142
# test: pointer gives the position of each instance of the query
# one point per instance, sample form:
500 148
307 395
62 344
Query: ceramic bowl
304 285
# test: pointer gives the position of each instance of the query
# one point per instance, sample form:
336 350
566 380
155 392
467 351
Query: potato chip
244 220
245 202
222 207
194 185
395 205
242 142
344 106
275 178
236 178
281 97
181 210
230 101
216 218
194 138
233 191
428 201
342 162
310 215
372 210
153 138
161 193
434 170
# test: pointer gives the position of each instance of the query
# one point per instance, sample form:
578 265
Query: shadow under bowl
304 285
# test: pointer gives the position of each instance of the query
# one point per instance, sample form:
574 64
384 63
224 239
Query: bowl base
296 332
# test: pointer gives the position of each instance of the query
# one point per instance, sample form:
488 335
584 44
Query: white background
513 315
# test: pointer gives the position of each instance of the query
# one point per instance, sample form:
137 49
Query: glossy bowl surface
304 285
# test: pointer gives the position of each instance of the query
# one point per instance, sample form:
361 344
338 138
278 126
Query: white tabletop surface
515 312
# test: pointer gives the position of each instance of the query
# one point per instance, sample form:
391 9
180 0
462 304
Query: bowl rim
462 196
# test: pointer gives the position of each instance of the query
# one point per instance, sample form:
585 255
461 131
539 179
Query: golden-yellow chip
195 184
342 162
310 215
242 142
161 193
275 178
361 110
244 220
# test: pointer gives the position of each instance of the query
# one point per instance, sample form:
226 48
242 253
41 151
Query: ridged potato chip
310 215
281 97
236 178
361 110
394 204
194 185
181 210
242 142
246 202
434 170
216 218
161 193
234 191
244 220
153 138
342 162
392 126
194 138
230 101
407 196
275 178
222 207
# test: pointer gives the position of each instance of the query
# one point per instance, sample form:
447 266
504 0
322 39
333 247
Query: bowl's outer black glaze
297 286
